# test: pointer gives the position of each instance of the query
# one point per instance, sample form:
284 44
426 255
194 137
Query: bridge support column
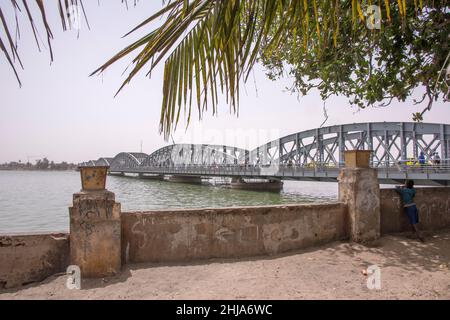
159 177
186 179
271 185
359 189
119 174
95 232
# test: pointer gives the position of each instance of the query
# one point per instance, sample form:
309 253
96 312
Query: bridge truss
390 142
393 144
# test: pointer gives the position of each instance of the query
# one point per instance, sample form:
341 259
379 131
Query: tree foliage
369 66
33 13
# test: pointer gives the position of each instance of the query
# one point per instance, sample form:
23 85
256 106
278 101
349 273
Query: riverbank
409 270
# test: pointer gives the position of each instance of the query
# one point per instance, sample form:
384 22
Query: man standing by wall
407 194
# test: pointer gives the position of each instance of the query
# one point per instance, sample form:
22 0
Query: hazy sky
63 114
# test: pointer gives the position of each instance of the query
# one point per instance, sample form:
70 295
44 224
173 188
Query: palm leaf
205 41
35 12
223 43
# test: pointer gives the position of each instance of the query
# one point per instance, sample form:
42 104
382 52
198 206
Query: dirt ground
409 270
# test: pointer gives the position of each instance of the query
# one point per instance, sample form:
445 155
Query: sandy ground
409 270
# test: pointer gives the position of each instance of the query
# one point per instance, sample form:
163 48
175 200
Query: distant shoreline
40 165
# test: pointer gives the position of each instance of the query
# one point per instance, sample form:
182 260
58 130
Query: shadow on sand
397 250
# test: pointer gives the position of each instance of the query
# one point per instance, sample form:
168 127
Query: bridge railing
396 165
415 166
312 169
237 170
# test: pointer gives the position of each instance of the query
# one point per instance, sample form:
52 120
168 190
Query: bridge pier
119 174
271 185
185 179
159 177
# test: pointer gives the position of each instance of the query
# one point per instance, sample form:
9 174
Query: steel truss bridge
315 154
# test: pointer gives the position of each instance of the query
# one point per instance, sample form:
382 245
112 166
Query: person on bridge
407 194
437 159
422 159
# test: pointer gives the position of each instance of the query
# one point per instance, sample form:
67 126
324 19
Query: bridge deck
427 175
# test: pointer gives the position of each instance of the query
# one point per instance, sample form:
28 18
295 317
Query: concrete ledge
27 258
182 235
433 205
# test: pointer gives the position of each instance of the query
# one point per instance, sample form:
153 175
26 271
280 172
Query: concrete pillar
95 233
185 179
359 189
159 177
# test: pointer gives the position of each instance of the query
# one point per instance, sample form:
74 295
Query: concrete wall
30 258
433 205
181 235
184 235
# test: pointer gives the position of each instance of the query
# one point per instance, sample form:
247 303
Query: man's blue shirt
407 195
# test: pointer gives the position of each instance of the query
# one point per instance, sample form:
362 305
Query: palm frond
223 42
35 12
210 46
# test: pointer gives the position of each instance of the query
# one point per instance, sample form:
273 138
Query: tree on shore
41 164
369 51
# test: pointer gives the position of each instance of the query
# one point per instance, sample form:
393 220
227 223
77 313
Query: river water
36 201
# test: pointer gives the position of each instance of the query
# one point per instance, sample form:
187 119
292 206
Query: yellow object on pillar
357 158
93 178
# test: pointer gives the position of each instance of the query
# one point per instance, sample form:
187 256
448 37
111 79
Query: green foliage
369 66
